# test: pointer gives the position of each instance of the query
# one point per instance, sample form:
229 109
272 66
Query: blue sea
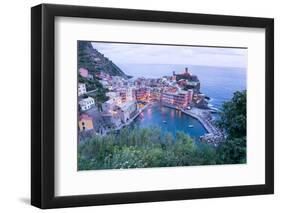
218 83
169 120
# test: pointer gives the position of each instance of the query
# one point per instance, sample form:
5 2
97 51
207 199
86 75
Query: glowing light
172 113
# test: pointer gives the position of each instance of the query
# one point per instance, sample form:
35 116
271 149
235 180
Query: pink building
123 94
189 96
175 98
84 72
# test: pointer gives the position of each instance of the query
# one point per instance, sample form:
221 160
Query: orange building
85 123
142 94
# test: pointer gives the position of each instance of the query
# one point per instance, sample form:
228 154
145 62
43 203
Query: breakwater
214 135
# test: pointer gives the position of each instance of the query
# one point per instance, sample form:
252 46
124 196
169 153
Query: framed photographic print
139 106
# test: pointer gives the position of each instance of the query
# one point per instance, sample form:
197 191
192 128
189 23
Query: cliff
95 62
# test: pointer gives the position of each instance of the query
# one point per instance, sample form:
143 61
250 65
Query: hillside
95 62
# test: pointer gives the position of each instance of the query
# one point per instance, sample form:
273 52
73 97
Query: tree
233 122
233 116
232 151
142 148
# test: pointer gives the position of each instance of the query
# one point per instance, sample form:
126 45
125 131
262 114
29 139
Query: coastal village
156 113
127 97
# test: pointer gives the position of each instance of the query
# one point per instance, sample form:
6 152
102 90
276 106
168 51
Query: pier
214 135
200 114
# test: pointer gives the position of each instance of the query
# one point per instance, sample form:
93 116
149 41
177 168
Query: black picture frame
43 102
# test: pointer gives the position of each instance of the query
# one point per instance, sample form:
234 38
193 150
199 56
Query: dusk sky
161 54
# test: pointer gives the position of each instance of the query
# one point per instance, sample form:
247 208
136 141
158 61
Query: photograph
160 105
139 105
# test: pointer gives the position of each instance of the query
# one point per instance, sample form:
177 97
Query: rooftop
126 105
85 117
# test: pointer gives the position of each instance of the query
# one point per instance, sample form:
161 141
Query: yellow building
85 123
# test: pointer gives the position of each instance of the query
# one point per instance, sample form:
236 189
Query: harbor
170 120
169 113
211 134
214 135
121 100
129 100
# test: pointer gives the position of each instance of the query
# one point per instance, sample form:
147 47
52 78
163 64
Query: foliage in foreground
233 120
100 92
142 148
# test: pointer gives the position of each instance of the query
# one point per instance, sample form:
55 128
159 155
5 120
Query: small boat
190 126
164 122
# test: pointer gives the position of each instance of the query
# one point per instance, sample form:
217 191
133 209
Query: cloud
121 53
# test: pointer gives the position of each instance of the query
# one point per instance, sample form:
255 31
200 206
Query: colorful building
175 98
109 105
85 123
81 89
142 94
112 95
155 94
126 94
103 75
87 103
123 95
181 99
83 72
189 96
127 110
167 98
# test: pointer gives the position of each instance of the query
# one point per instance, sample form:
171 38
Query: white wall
15 117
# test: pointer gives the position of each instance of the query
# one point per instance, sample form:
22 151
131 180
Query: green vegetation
234 121
142 148
85 60
99 92
149 147
94 61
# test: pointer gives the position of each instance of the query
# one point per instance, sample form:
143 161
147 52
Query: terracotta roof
84 117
